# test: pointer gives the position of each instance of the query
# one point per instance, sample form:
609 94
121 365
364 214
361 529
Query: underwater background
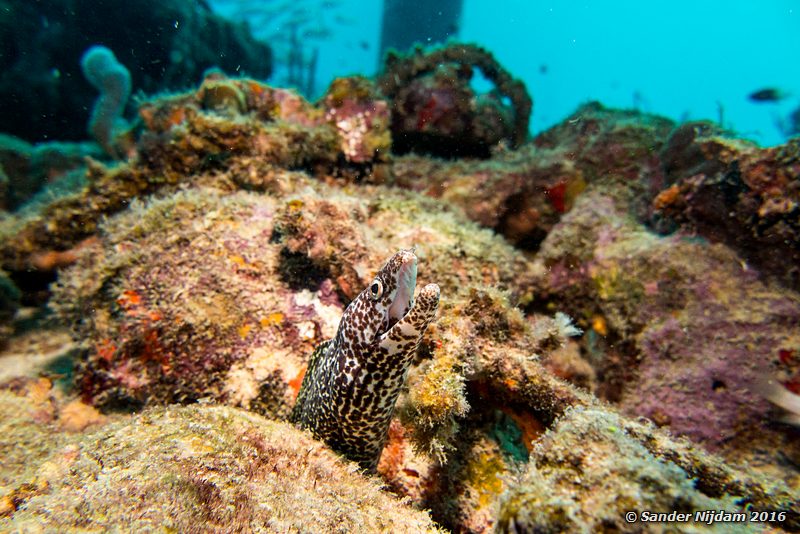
399 266
684 60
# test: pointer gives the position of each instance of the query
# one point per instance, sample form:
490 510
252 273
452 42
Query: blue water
683 59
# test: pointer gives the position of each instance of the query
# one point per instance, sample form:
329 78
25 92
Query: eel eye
376 289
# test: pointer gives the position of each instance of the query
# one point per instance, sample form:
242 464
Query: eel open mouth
406 284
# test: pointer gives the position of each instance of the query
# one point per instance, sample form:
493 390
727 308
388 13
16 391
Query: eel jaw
406 284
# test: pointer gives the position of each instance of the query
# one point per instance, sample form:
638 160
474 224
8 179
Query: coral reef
435 111
733 192
522 194
237 328
207 267
206 467
591 469
184 135
361 118
682 342
150 338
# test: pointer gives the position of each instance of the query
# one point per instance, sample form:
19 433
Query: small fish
769 94
778 395
350 388
317 33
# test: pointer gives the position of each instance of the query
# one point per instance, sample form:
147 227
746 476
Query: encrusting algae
208 467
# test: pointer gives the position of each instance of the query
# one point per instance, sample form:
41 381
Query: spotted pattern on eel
350 388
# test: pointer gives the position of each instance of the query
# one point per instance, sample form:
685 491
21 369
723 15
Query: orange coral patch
177 116
599 325
667 197
76 416
532 429
244 330
238 260
129 299
272 319
106 349
146 113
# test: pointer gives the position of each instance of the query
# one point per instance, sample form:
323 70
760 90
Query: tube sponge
112 79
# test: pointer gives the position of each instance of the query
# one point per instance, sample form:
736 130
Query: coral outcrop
618 471
523 193
189 134
681 341
243 309
206 467
435 111
734 192
361 117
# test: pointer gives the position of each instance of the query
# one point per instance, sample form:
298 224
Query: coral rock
212 466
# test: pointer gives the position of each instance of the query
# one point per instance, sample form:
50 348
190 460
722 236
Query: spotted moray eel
349 391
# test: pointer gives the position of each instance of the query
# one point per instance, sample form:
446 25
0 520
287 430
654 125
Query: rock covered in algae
519 413
361 118
586 473
201 294
185 136
734 192
205 467
435 111
523 193
679 329
171 300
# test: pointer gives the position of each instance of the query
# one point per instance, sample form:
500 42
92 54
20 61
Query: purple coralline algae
687 328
